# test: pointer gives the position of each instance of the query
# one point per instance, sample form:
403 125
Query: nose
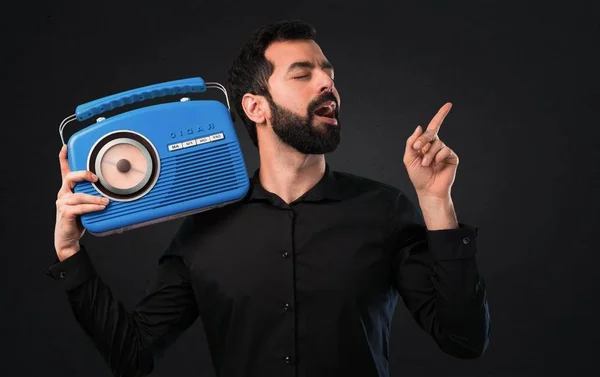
326 84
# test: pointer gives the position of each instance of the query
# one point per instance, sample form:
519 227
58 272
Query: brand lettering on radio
192 130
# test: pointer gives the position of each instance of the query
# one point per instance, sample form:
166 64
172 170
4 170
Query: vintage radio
158 162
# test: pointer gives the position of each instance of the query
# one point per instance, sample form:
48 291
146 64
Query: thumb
409 150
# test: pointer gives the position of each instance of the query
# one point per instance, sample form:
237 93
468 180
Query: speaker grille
218 169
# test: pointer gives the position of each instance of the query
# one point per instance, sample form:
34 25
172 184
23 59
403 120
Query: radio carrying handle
99 106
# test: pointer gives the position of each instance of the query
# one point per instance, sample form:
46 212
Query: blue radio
158 162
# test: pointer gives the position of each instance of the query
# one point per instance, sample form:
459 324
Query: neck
288 173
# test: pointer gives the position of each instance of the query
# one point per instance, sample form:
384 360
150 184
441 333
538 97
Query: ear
254 108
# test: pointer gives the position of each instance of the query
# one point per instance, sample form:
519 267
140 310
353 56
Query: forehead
282 54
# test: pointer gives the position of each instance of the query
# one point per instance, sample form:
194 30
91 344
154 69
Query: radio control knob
123 165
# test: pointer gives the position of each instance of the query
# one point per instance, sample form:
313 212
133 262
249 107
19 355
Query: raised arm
438 279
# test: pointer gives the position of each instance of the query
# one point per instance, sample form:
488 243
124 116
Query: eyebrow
306 64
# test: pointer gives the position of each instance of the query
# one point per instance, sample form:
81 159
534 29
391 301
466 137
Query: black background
523 80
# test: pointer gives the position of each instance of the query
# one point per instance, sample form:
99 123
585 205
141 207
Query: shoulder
394 199
363 185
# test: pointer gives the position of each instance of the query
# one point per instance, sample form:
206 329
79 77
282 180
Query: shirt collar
328 187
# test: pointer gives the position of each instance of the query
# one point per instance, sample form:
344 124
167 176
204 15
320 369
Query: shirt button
466 240
285 254
288 359
286 307
63 275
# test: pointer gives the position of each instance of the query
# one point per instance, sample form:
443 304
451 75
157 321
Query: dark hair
250 70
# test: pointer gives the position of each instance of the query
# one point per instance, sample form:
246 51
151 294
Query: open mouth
327 110
326 113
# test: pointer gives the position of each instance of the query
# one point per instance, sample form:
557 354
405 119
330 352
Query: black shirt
305 289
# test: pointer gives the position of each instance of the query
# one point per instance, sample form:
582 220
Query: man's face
305 103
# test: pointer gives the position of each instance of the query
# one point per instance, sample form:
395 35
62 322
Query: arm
437 276
130 342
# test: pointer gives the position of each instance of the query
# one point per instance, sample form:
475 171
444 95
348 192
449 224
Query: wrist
64 253
435 204
438 213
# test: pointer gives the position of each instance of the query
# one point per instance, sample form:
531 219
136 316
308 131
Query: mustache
325 97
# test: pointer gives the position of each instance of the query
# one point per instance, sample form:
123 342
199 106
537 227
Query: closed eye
300 77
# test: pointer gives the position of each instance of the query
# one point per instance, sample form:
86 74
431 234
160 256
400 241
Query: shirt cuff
73 271
450 244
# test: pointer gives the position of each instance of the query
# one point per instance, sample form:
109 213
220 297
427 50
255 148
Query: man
300 278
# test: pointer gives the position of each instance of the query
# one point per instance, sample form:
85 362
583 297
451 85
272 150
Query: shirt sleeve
436 275
130 341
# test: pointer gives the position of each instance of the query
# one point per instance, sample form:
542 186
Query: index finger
64 163
437 120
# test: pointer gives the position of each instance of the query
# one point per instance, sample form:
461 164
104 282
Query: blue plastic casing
205 171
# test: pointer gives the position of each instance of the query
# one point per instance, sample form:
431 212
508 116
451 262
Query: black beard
299 132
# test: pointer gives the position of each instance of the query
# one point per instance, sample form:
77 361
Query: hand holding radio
69 206
154 163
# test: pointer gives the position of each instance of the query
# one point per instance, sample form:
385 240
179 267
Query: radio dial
123 166
126 165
